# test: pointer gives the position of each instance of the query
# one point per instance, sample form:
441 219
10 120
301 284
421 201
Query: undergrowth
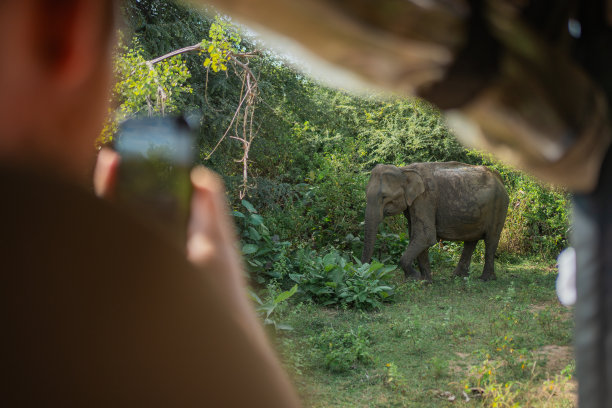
456 342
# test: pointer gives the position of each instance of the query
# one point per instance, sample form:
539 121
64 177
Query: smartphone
153 180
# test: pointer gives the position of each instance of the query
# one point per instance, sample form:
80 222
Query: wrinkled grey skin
448 201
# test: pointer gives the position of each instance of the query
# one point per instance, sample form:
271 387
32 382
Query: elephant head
391 190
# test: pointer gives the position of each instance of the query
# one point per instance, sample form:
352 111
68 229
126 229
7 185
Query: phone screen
157 155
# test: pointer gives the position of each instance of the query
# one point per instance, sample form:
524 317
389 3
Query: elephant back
468 191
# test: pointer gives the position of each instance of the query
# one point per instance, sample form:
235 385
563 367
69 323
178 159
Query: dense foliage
310 160
356 330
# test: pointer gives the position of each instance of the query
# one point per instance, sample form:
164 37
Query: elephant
449 201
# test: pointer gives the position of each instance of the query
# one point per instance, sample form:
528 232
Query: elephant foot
460 272
487 277
412 276
410 272
417 276
427 279
426 275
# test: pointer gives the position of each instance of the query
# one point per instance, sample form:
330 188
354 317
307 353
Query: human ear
72 34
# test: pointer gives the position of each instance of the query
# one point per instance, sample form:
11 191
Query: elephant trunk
373 217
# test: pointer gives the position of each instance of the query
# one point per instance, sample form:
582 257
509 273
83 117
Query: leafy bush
266 309
489 381
332 280
262 251
403 131
342 351
315 146
393 378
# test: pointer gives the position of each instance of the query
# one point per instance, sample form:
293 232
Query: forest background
295 156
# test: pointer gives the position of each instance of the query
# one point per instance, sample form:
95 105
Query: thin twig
228 129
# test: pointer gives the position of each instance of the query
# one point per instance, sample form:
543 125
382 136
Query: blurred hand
211 240
211 247
105 173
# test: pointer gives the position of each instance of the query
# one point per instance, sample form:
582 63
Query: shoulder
101 309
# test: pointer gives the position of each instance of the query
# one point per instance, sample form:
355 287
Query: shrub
342 351
267 309
263 252
332 280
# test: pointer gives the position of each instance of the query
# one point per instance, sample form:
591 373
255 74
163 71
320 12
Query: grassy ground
503 343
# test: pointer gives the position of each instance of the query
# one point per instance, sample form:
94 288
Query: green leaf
268 308
253 234
237 214
296 277
255 262
254 297
256 219
375 266
286 295
337 275
249 206
330 267
329 259
249 249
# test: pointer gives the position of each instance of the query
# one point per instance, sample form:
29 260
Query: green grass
437 338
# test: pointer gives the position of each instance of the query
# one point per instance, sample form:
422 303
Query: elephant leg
466 258
491 241
414 249
423 260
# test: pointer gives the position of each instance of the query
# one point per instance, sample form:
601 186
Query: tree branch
247 94
198 47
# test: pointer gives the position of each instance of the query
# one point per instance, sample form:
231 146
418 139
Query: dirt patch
572 392
535 309
330 312
556 357
459 368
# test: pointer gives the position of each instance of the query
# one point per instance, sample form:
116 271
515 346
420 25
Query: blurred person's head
55 75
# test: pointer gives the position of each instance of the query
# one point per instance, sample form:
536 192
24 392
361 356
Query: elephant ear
413 186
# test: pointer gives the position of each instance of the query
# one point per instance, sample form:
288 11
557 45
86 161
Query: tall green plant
266 309
260 249
332 280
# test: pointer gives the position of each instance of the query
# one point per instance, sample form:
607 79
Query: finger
105 173
210 225
211 241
